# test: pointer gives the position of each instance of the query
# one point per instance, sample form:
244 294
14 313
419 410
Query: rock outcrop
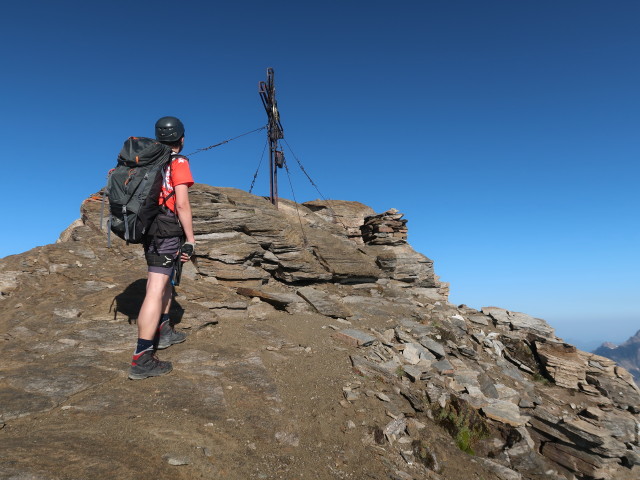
321 345
626 354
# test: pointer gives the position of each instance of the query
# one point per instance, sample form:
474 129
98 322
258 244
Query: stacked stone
387 228
350 215
479 367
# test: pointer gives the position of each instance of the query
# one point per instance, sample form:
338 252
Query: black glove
188 249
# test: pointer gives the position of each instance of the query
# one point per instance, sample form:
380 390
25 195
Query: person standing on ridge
162 245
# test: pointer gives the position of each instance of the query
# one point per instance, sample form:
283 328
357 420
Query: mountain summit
320 345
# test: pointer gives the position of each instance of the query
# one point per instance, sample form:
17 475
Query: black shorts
164 247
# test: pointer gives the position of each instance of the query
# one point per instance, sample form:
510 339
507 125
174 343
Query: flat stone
594 438
499 315
504 412
522 321
423 354
414 372
443 367
279 300
16 403
588 433
476 401
67 312
411 354
507 393
94 286
391 366
621 425
176 460
479 319
351 396
389 336
428 295
579 461
404 264
458 322
394 428
510 370
466 351
324 303
464 377
383 397
621 393
367 368
403 336
433 346
502 472
356 338
9 281
487 387
287 438
519 321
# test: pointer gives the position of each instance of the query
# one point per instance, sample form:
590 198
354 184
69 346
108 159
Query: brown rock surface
308 356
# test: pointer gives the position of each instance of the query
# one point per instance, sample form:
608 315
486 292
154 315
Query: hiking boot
147 365
169 336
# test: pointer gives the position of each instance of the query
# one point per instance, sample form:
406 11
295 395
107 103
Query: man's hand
187 251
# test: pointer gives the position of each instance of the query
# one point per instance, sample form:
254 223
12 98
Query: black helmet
169 129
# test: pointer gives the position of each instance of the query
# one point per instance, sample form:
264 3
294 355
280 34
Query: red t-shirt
177 173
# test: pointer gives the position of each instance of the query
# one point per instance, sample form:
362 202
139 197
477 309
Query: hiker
162 245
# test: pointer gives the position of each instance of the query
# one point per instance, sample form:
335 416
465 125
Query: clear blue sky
506 131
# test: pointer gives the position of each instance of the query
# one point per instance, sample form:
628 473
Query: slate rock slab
356 338
278 300
16 403
433 346
519 321
505 412
324 303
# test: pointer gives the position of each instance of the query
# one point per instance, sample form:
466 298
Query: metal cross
275 133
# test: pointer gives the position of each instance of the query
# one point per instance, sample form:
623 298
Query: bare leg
166 298
153 305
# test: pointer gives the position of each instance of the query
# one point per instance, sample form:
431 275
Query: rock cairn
388 228
349 215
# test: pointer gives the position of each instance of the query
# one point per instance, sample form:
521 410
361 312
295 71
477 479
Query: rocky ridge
626 354
314 351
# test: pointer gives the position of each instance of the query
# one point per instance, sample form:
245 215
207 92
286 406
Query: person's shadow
128 303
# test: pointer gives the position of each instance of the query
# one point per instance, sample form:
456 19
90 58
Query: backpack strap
173 192
104 196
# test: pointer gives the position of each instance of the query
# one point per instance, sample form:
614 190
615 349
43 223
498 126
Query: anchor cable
335 215
255 175
225 141
295 202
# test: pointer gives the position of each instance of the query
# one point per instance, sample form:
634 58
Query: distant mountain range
627 354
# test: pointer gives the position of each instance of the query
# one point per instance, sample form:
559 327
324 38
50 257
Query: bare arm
183 210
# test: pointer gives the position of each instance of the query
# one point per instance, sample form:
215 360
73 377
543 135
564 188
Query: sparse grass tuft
463 423
537 377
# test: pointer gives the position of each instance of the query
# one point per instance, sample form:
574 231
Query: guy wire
335 215
295 202
255 175
225 141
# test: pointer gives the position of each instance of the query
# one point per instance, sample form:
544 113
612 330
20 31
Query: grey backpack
134 187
